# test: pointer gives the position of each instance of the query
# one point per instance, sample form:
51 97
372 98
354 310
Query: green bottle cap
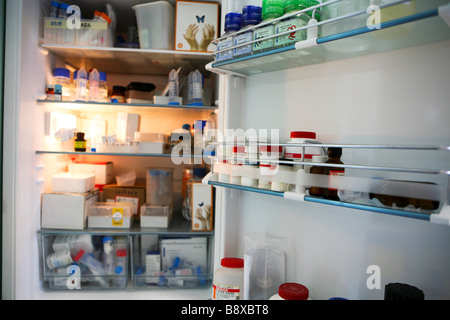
272 9
310 3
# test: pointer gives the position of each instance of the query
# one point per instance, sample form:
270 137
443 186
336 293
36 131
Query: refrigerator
382 99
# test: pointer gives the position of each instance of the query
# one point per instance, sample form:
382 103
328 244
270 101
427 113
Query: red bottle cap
121 253
303 134
79 255
272 148
293 291
232 262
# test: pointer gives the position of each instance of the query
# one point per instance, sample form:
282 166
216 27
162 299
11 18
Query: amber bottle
334 156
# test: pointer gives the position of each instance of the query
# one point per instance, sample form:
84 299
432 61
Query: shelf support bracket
442 217
224 72
444 13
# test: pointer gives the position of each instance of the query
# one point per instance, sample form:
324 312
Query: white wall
397 97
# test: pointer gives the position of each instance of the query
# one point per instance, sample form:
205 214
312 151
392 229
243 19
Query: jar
334 156
295 153
118 94
80 142
248 174
62 77
291 23
278 185
232 24
271 9
228 279
313 190
251 16
268 168
291 291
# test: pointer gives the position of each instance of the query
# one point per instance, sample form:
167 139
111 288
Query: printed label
290 38
117 216
336 173
262 33
240 39
225 292
225 44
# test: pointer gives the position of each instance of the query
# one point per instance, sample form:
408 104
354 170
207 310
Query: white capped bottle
228 280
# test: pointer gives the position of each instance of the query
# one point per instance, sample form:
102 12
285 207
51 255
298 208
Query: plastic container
81 83
120 269
291 291
159 191
155 216
232 24
94 85
156 21
103 88
110 215
271 9
173 87
140 92
302 137
251 16
60 259
228 279
62 77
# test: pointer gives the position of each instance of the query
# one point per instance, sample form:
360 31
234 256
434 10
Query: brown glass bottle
334 156
313 190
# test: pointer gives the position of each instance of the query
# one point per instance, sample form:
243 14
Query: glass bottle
62 77
313 190
291 23
334 156
271 9
80 142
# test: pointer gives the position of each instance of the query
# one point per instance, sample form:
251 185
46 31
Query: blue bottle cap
118 270
186 127
251 15
61 72
64 5
233 21
107 238
55 4
102 76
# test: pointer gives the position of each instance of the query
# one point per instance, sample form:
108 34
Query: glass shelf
136 61
422 28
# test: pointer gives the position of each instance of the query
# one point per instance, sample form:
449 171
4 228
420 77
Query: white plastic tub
156 21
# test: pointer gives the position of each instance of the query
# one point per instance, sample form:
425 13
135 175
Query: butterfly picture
200 19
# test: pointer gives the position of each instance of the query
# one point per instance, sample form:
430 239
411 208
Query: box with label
199 23
110 215
201 207
135 194
66 210
103 170
180 253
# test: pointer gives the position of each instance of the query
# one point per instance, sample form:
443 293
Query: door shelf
136 61
425 25
134 154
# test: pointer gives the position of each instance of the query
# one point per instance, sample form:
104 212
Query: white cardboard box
198 21
191 252
201 207
66 210
103 170
68 182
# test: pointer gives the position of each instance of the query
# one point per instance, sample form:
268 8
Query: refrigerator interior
33 170
396 97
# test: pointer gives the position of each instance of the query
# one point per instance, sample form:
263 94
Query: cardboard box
198 21
201 207
68 182
190 252
135 194
66 210
103 170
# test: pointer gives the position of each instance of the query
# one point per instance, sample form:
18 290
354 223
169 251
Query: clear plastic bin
81 261
155 216
110 215
173 262
91 33
156 21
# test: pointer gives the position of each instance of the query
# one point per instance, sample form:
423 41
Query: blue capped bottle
251 16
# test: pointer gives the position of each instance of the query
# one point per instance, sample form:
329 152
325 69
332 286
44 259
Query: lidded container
62 77
228 279
302 137
291 291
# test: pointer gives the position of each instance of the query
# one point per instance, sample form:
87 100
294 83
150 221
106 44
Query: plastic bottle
103 88
291 291
118 94
80 142
81 84
95 267
233 22
120 269
54 6
108 255
313 190
251 16
61 258
94 85
334 156
62 77
58 93
291 23
271 9
237 155
197 88
173 87
295 153
228 279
